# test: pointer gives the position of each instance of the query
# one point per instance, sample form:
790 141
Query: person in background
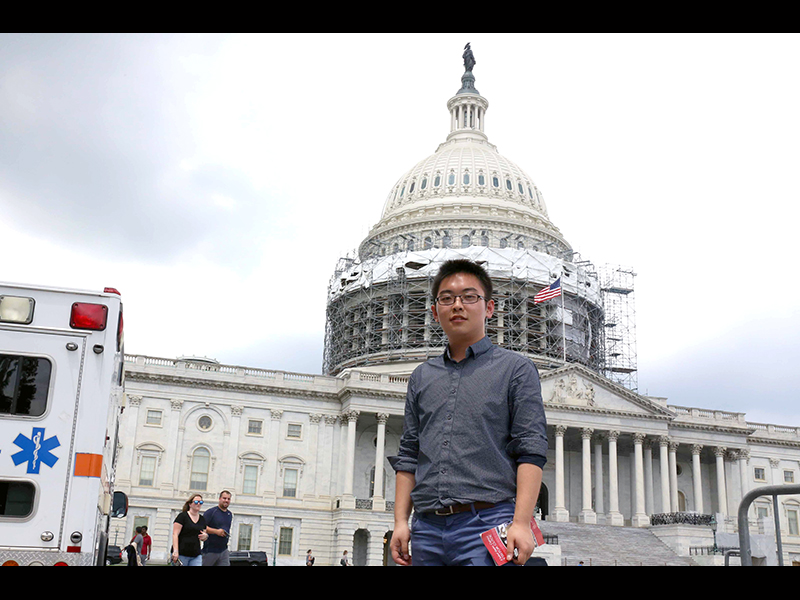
218 527
188 530
147 544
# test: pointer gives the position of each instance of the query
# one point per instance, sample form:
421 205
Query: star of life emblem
35 450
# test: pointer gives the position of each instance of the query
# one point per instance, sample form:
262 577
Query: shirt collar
476 349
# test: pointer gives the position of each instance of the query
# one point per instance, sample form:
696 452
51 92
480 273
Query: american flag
554 291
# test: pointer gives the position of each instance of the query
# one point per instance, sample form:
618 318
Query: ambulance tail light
88 316
16 309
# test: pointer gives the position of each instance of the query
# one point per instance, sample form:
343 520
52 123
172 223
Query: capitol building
305 455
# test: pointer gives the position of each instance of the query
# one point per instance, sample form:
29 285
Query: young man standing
474 439
218 519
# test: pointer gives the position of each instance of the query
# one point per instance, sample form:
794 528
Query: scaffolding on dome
620 326
378 312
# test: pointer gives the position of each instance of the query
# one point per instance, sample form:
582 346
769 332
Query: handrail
744 526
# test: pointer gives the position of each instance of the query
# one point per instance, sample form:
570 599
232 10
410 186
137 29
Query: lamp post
274 549
714 531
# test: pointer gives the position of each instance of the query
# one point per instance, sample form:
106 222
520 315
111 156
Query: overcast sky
215 180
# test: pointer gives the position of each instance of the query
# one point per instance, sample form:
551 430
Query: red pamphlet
496 541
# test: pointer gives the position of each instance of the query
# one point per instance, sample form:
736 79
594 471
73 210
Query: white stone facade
298 451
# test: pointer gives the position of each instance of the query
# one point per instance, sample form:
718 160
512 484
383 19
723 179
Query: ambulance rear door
40 386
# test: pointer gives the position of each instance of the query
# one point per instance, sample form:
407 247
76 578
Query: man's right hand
399 544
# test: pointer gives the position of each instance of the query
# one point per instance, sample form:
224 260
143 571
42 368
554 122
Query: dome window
521 191
402 191
411 189
495 181
451 180
508 185
437 182
410 245
465 241
424 183
481 179
428 243
466 178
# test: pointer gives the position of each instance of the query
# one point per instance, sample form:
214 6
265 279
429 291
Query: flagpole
563 322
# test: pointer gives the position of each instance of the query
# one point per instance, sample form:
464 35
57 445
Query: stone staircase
605 545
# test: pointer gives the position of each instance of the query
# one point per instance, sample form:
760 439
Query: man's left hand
519 537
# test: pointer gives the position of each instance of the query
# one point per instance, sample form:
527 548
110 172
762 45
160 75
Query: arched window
495 181
508 185
481 179
424 183
201 462
437 181
465 240
466 178
451 180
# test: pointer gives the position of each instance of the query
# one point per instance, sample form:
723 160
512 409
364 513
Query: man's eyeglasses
448 299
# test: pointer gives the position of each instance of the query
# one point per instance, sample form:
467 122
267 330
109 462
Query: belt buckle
444 512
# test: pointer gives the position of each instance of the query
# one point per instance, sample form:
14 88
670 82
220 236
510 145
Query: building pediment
574 387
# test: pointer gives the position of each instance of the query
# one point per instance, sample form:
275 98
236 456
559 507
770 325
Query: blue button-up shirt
468 424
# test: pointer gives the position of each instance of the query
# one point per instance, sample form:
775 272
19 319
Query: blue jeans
191 561
456 539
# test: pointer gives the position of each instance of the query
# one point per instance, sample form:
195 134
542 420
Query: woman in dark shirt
188 530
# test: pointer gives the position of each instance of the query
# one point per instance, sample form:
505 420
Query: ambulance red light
88 316
111 291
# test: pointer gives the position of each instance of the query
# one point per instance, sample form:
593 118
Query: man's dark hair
462 265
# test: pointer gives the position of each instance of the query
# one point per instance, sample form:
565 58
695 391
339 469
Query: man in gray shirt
474 439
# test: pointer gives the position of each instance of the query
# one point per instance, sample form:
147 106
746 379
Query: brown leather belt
459 508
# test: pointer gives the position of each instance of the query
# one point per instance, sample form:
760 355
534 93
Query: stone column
663 464
696 478
271 492
649 505
171 481
599 508
722 499
352 419
673 476
560 512
587 515
614 517
640 518
314 421
744 455
378 501
231 450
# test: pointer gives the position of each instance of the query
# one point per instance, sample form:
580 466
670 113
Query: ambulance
61 395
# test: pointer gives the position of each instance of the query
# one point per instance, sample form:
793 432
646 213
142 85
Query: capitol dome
465 200
466 193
